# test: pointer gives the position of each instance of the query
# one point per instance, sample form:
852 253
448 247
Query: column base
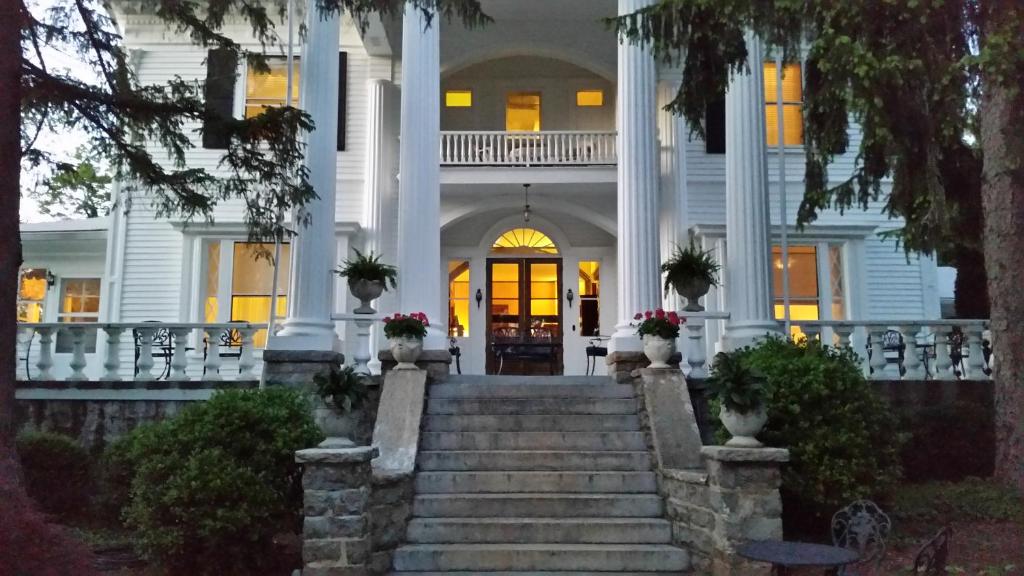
297 368
437 363
625 339
305 334
749 333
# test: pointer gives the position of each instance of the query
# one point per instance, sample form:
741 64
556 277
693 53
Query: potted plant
691 271
658 330
405 335
342 391
367 278
741 392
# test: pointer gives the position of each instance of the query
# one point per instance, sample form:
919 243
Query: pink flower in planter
638 316
648 314
659 313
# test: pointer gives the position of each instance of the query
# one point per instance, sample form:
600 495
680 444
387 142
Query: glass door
524 321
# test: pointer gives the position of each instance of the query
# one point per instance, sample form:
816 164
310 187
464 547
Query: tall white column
637 190
419 197
748 280
314 254
673 132
378 212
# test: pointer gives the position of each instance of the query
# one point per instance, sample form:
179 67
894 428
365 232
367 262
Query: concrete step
478 558
515 482
539 460
540 530
548 505
530 423
606 390
489 380
520 406
537 573
532 441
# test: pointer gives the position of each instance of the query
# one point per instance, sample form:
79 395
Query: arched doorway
524 312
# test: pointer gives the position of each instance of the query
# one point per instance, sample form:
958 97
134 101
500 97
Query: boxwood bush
57 472
844 441
211 487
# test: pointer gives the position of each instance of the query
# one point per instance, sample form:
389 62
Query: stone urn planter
744 427
365 291
693 289
332 421
406 350
658 350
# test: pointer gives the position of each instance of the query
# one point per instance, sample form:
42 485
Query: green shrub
212 486
57 472
844 441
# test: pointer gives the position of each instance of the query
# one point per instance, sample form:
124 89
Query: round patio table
784 555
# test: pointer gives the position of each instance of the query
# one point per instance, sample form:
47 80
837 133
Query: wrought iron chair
503 341
456 352
597 348
893 349
931 558
863 527
230 346
162 348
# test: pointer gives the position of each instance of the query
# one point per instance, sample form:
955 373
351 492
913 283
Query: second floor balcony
528 149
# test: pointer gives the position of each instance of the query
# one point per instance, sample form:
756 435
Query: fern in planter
368 267
737 386
345 387
691 271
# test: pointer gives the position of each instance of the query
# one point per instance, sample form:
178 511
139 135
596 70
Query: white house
523 176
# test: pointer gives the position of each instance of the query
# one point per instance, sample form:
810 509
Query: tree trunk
10 197
1002 141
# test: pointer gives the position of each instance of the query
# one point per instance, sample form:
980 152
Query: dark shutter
342 97
714 125
221 67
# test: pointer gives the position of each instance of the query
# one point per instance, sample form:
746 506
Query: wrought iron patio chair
162 348
863 527
456 352
931 558
230 346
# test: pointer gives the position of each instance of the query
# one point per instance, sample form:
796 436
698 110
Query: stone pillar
748 273
419 198
308 326
637 191
336 498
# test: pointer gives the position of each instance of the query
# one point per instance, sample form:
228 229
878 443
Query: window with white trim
816 283
238 283
79 302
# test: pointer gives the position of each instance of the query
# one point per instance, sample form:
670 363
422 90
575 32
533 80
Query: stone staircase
537 475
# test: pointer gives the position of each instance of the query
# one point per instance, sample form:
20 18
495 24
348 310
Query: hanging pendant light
526 202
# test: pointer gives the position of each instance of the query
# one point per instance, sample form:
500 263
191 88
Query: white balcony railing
498 148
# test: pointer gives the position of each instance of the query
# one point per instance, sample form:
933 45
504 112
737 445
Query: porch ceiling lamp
526 202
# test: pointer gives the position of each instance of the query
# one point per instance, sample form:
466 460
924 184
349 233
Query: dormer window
458 98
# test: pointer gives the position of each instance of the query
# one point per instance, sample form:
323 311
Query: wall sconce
50 279
569 296
479 297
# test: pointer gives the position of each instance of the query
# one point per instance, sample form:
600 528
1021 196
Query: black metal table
784 555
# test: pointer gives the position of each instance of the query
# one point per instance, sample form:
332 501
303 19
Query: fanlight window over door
524 241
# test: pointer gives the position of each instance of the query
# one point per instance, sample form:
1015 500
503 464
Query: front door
524 320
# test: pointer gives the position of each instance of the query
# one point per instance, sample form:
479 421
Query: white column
419 197
308 325
378 170
673 132
749 280
637 191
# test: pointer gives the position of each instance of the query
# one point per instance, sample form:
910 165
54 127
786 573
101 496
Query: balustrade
498 148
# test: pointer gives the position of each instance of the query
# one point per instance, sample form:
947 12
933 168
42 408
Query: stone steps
579 530
589 441
504 481
531 423
531 391
550 504
539 460
532 557
521 406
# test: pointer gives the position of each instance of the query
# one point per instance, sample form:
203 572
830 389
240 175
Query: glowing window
524 241
589 295
210 309
79 302
263 89
458 298
458 98
590 98
809 299
522 112
31 293
792 105
252 284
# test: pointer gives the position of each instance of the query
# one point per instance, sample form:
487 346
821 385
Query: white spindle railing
498 148
158 350
911 349
364 346
695 350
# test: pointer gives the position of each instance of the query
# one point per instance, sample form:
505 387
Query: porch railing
499 148
185 351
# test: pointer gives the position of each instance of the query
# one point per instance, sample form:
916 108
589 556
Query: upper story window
792 104
522 112
458 98
264 89
32 287
589 98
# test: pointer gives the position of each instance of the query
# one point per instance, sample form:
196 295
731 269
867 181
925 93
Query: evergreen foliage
368 267
57 472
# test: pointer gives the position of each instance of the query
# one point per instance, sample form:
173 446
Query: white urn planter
366 291
693 290
406 350
658 350
744 427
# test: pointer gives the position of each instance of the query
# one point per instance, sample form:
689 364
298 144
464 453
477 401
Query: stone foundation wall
390 510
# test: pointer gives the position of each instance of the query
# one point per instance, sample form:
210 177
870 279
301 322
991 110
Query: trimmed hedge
57 472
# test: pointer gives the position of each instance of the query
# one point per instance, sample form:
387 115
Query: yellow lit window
522 112
524 241
212 281
79 302
792 105
458 299
589 296
31 293
458 98
263 89
590 98
251 286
